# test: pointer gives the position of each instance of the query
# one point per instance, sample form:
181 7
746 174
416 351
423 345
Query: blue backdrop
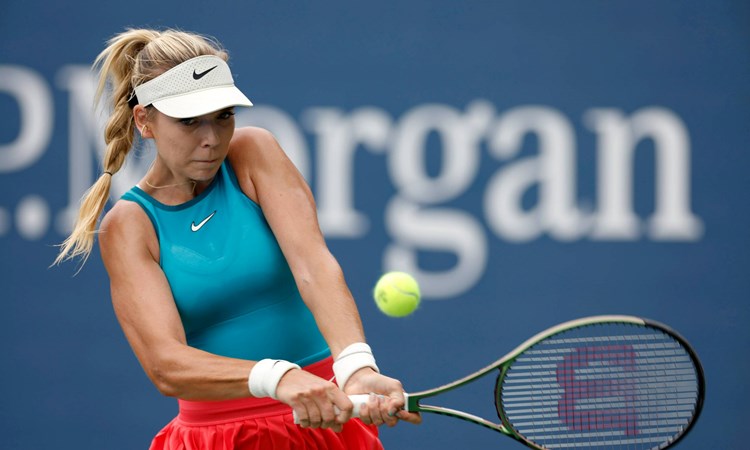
530 162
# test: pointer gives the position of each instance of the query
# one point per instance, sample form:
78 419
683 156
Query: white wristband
350 360
265 376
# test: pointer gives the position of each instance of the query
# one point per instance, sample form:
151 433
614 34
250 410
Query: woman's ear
140 115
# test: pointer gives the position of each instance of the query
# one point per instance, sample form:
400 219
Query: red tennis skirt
258 424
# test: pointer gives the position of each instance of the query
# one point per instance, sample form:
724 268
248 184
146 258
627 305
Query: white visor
196 87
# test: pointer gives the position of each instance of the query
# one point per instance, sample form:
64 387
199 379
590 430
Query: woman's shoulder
125 223
254 149
123 211
126 239
259 161
251 138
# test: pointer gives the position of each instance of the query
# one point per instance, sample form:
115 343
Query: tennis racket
614 382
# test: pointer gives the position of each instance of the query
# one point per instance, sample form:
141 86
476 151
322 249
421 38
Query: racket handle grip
356 399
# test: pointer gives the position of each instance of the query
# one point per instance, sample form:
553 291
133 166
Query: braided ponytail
130 59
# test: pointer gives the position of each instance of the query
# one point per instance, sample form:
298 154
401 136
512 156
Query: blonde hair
130 59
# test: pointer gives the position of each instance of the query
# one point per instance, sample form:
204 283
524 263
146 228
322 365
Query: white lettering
338 137
416 218
32 217
553 170
435 229
35 104
617 139
615 218
672 219
460 136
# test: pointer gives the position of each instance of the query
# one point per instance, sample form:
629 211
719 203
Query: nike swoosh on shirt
195 227
198 76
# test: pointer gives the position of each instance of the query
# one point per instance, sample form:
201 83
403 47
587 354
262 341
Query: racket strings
612 386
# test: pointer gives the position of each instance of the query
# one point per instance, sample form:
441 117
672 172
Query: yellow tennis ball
397 294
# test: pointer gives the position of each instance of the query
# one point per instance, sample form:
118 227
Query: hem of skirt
187 423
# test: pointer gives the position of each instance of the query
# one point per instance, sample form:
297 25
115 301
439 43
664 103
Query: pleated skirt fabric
258 424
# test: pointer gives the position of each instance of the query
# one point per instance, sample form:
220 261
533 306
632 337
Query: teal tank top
232 285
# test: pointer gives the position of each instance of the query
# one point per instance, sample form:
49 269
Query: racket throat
411 403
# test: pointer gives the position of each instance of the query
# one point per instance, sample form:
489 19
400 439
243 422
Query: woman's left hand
386 402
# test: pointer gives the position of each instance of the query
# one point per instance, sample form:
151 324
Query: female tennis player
220 276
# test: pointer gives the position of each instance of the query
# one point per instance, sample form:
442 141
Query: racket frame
413 400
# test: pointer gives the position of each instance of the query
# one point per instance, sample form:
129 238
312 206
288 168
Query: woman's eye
187 122
226 114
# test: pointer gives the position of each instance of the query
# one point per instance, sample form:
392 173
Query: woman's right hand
318 403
